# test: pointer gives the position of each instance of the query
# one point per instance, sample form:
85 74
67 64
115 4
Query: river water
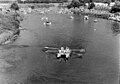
99 65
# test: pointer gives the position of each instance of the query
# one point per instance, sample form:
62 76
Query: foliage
74 4
9 27
107 8
43 1
8 22
14 6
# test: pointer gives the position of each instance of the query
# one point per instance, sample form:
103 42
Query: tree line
42 1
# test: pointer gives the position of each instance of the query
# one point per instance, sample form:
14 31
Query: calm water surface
98 66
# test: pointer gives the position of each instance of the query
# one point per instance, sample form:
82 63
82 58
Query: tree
75 3
14 6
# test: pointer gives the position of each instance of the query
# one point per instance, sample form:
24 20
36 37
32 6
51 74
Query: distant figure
44 18
47 23
86 17
95 20
71 17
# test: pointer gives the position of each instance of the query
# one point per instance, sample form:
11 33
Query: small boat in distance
86 17
47 23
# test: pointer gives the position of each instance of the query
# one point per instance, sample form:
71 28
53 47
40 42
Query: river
99 65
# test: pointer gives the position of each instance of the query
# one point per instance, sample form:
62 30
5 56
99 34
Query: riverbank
9 27
100 10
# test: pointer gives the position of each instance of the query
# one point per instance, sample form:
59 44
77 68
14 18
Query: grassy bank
9 26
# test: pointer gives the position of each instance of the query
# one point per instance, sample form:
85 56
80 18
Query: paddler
61 52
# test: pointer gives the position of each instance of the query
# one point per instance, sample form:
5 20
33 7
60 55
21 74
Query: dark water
100 64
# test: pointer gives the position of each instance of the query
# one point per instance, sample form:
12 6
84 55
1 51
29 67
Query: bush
9 22
115 9
14 6
74 4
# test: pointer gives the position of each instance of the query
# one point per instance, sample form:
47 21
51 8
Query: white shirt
62 52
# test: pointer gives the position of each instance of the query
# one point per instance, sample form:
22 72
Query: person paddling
60 52
64 53
67 52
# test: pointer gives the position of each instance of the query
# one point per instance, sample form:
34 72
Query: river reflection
115 28
98 66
